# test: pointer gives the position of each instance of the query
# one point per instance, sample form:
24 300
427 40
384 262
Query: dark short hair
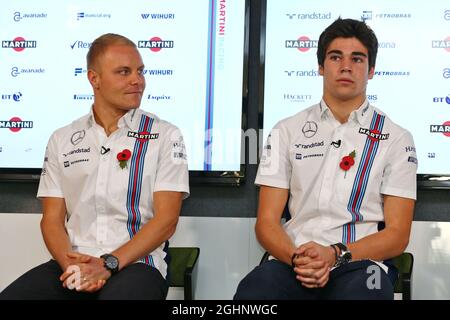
348 28
99 46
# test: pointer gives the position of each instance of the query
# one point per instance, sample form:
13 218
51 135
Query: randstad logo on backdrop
301 73
158 16
309 16
18 16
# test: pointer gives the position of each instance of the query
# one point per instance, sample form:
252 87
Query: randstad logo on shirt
143 135
79 150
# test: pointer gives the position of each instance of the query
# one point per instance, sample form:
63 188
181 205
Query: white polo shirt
107 205
327 204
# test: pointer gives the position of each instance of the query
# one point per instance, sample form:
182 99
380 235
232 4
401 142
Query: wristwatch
111 263
345 255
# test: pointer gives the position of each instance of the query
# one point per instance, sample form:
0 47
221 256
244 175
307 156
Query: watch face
111 262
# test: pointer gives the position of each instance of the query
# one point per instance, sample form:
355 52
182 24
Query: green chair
183 269
404 264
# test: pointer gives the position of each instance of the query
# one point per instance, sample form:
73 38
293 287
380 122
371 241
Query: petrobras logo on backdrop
15 124
19 44
447 14
366 15
83 97
80 71
446 73
80 44
155 44
88 15
303 43
296 97
160 97
301 73
441 44
390 74
442 99
309 16
441 128
158 16
370 14
16 71
157 72
18 16
387 45
16 96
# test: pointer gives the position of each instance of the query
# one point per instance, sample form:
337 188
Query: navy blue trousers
275 280
137 281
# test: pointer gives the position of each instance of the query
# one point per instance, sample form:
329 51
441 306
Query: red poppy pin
347 162
123 158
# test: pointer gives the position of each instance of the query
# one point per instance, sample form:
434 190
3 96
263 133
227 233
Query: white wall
228 251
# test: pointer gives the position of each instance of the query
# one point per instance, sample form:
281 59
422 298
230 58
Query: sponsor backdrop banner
193 53
412 79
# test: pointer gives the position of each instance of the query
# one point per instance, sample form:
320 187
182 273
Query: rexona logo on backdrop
15 124
303 43
155 44
19 44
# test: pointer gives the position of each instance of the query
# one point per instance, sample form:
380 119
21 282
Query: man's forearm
57 242
275 240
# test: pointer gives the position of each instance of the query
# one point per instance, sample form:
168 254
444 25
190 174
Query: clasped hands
84 273
313 263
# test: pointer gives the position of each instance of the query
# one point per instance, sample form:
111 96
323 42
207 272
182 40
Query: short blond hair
99 46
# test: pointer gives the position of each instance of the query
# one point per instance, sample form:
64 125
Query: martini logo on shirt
142 136
374 135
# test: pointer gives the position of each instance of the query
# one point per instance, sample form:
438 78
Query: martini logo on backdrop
441 128
19 44
15 124
155 44
303 43
441 44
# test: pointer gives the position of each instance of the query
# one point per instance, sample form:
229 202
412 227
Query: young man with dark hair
348 174
112 185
